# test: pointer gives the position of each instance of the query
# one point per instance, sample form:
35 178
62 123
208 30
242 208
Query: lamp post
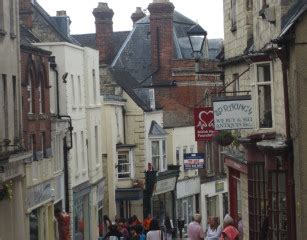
197 36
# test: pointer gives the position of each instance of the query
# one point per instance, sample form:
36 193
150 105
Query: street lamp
197 36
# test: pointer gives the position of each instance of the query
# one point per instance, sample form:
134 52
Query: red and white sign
204 123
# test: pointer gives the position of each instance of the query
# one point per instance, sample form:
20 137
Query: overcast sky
208 13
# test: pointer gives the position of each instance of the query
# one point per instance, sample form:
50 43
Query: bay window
158 154
262 91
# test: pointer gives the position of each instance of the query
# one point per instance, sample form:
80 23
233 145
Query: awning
128 194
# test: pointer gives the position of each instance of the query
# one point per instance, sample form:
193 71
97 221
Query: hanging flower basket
6 191
224 138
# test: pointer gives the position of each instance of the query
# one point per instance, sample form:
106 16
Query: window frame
162 154
255 84
130 154
233 15
211 160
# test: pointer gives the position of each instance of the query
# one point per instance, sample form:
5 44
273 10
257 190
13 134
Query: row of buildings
264 59
98 124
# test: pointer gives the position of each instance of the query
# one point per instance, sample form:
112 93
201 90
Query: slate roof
289 19
27 38
89 40
135 91
57 23
135 55
215 46
156 129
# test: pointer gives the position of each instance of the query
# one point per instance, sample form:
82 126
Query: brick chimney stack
161 29
104 30
25 13
137 15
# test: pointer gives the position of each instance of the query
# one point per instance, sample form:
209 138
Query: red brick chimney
25 13
161 30
104 30
137 15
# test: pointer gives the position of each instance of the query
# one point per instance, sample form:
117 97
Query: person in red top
146 222
229 232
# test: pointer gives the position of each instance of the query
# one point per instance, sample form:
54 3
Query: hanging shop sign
165 185
233 113
193 161
204 123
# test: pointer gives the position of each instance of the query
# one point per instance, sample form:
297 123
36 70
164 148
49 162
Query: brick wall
35 63
161 29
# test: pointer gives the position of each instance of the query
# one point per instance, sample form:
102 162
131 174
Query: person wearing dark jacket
113 232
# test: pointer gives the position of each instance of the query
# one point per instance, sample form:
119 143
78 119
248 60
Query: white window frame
162 154
255 85
130 163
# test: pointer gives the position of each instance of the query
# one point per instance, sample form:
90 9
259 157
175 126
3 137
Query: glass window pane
265 106
264 73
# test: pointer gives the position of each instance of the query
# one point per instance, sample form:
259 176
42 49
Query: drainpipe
283 55
66 148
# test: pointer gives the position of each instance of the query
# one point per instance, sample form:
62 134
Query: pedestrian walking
229 232
155 233
195 230
214 229
113 233
169 228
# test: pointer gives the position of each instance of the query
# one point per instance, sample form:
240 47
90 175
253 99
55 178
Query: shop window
257 198
212 206
125 164
278 223
209 158
233 15
263 96
158 155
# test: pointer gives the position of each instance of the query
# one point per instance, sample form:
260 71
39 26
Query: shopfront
40 211
81 212
100 213
188 199
129 202
214 200
11 205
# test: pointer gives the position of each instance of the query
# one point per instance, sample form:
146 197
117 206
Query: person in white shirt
214 229
155 233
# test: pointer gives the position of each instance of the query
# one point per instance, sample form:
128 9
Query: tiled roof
215 46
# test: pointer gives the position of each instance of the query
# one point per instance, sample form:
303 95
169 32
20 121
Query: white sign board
165 185
233 114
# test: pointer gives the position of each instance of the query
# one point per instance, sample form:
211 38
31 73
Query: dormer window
152 99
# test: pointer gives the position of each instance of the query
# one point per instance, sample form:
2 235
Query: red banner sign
204 123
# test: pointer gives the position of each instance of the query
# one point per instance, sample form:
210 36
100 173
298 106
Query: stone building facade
254 67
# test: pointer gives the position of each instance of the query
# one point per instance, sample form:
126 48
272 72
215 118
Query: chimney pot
61 13
137 15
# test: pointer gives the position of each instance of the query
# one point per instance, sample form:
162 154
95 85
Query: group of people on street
214 231
133 229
